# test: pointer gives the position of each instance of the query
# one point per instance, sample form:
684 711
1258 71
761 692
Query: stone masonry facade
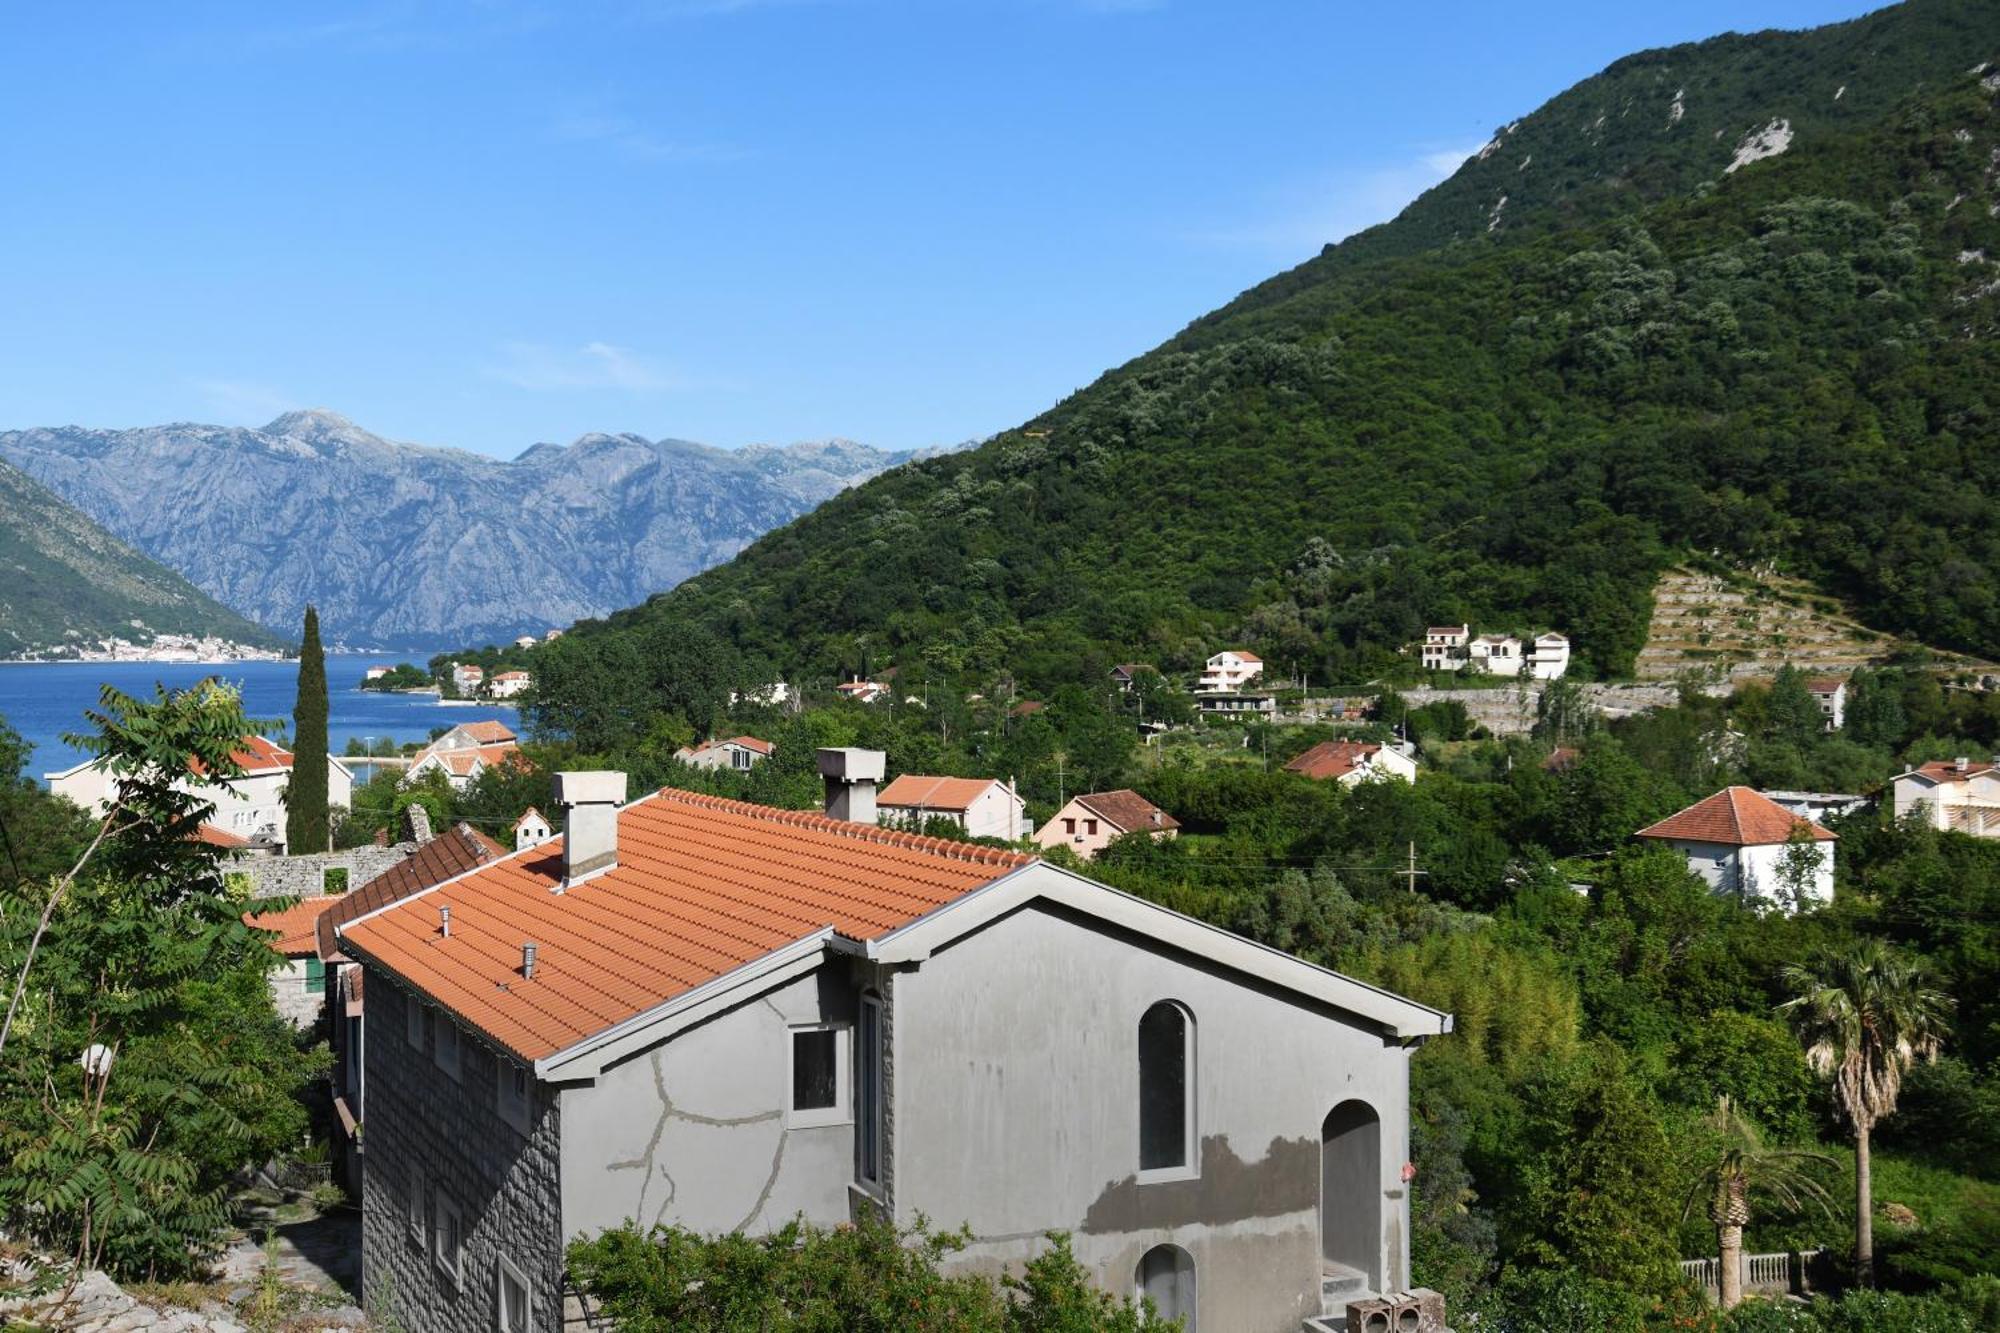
304 876
446 1140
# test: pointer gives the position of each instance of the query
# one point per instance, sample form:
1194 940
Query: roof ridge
812 819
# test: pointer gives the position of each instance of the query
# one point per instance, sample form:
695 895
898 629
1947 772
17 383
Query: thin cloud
244 402
1304 216
595 365
626 137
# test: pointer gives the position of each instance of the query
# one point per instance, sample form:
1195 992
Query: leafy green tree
1865 1015
307 828
1594 1198
1740 1165
142 1064
1792 711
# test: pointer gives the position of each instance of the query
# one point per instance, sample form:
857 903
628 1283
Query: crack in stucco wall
647 1162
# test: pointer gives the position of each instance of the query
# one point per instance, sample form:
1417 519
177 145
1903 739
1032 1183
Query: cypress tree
306 828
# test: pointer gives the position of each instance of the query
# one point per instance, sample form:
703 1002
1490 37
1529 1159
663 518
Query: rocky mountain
1740 306
404 545
65 582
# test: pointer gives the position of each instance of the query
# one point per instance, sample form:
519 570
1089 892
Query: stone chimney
417 820
851 776
589 802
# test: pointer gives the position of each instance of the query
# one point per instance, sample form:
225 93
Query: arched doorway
1350 1193
1166 1276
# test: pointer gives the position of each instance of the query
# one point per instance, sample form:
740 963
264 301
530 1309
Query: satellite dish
96 1059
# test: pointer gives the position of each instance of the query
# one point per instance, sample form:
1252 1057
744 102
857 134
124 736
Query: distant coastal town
162 648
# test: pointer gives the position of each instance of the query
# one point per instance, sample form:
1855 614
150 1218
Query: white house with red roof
698 1012
509 684
1230 670
1444 647
1830 693
1961 795
982 807
1747 845
467 678
1352 762
250 807
466 751
741 753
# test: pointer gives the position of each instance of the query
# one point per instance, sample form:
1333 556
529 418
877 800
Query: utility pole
1412 873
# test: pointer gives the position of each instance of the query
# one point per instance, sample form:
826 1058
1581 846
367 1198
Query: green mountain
66 582
1757 331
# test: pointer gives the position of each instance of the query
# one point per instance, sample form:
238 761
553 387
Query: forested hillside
1789 363
63 580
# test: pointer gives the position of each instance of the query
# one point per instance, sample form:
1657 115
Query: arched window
1166 1277
1166 1084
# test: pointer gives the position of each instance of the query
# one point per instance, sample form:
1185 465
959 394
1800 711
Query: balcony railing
1787 1271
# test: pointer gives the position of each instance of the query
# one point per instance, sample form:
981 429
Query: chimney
1963 763
851 776
417 819
444 920
528 961
589 802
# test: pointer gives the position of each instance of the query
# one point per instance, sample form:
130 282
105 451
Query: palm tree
1787 1176
1865 1014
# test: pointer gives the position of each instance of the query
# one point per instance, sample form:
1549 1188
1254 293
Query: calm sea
42 700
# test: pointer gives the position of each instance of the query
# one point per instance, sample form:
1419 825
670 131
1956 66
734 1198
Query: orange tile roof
1947 770
1332 759
703 885
747 742
1736 817
458 849
294 924
219 837
1127 811
487 733
1825 684
253 754
914 791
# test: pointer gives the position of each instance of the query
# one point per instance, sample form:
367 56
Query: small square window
819 1077
1090 828
315 977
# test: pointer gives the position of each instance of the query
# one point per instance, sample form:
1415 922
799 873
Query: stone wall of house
300 1007
304 876
428 1132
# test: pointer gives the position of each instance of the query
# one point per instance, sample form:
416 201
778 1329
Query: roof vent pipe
528 961
1963 763
851 776
589 802
444 920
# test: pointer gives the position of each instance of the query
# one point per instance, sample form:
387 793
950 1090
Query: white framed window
868 1092
820 1072
1166 1092
513 1298
444 1042
413 1021
416 1213
513 1091
741 758
447 1235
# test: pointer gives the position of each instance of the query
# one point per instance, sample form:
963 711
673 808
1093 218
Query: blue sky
485 223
